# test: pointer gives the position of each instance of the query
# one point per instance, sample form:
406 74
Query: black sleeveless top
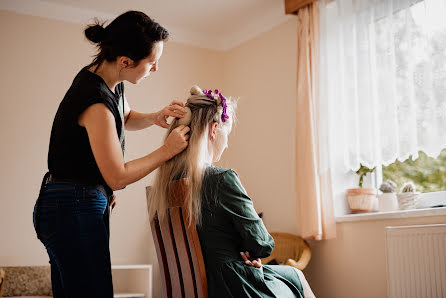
70 155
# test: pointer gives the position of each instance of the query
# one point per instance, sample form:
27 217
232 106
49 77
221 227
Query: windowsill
392 214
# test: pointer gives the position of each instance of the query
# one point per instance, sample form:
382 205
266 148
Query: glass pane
428 174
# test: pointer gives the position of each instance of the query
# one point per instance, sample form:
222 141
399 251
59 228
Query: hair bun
195 90
95 33
187 117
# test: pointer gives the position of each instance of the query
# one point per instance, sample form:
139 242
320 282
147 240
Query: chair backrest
178 248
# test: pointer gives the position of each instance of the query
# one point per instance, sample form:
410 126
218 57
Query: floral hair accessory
215 96
220 96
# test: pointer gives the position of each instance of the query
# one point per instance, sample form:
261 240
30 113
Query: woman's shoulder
86 77
227 178
214 171
218 183
86 89
91 84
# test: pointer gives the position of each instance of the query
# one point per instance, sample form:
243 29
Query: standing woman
86 154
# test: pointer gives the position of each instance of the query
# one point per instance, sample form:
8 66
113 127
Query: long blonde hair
192 162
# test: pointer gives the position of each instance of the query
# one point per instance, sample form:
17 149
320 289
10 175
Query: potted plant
407 198
362 199
387 201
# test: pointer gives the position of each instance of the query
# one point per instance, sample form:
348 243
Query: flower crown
216 93
213 96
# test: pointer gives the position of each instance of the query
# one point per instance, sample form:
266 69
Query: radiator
416 261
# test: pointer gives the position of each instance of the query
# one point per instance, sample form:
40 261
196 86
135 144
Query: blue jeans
71 220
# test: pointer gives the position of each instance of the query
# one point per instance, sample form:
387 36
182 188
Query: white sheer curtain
383 79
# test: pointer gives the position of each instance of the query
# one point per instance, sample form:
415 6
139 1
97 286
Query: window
383 92
383 79
427 173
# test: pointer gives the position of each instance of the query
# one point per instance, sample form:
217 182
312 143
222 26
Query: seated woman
232 236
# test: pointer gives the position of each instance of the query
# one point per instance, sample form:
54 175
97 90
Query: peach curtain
315 213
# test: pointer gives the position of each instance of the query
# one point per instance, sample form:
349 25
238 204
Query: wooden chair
2 280
291 250
178 249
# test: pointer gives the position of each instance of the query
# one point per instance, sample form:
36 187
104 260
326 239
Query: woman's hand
251 261
177 140
175 109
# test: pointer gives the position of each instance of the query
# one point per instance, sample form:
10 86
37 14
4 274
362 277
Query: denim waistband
50 178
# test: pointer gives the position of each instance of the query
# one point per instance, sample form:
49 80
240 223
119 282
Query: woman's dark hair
132 34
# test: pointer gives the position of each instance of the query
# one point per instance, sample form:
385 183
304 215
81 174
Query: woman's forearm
139 168
137 121
136 169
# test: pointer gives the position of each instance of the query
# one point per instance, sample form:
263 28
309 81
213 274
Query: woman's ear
124 61
213 130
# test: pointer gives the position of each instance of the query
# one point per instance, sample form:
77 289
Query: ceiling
214 24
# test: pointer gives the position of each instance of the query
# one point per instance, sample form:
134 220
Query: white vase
387 202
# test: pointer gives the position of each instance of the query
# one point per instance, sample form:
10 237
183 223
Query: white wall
354 264
262 72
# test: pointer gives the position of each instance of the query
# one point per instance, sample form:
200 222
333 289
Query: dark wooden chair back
178 248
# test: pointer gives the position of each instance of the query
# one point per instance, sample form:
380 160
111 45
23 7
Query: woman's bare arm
135 120
100 125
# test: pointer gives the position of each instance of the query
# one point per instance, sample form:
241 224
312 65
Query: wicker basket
291 250
408 200
361 199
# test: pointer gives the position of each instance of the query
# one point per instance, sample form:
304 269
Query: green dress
230 225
